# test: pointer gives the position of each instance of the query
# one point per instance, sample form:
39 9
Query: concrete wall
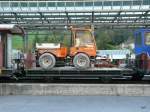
75 89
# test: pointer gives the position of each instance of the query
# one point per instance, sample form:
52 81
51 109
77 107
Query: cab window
138 39
147 38
83 38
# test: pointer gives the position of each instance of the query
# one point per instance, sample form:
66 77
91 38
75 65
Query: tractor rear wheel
47 61
81 61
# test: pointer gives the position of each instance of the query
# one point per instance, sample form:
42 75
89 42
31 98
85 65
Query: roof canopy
57 14
12 29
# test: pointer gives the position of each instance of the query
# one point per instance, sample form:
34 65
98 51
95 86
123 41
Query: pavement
74 104
57 89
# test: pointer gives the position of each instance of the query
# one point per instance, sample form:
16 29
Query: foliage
105 38
111 39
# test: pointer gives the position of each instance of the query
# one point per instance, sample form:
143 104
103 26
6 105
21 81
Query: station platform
74 89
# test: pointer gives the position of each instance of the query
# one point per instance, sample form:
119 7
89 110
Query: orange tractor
81 52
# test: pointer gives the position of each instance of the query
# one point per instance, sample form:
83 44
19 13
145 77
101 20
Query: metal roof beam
16 16
143 15
116 17
68 18
96 24
72 16
62 20
96 27
43 17
75 11
92 18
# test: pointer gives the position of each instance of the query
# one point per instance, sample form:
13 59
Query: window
60 4
88 3
42 4
97 3
146 2
79 4
24 4
117 3
138 39
4 4
107 3
147 38
137 2
14 4
127 3
33 4
69 4
51 4
83 38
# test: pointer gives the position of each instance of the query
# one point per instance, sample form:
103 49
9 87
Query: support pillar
9 50
25 43
3 49
1 52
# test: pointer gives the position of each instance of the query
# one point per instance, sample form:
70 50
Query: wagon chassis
68 72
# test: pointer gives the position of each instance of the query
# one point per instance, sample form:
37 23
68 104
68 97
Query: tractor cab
83 42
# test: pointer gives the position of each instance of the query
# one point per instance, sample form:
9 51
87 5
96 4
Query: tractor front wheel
81 61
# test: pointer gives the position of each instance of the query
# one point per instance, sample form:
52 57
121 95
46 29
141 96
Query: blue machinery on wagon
142 51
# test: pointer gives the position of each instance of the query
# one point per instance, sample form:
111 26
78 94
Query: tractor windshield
83 38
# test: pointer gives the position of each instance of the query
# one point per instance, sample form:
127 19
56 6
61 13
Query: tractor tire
47 61
81 61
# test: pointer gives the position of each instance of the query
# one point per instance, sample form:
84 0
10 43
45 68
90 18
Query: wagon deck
73 72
